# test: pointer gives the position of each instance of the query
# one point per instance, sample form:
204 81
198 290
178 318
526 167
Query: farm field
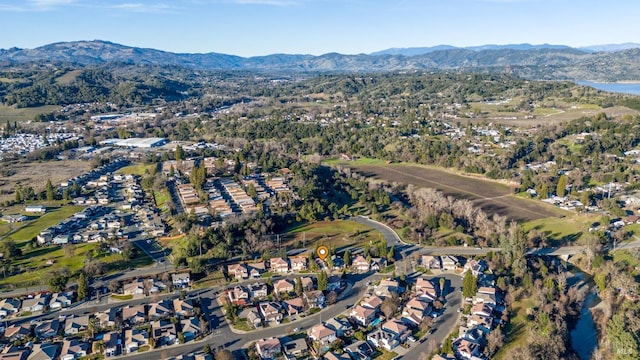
36 174
490 196
9 113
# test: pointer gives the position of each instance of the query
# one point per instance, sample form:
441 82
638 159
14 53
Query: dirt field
491 196
36 174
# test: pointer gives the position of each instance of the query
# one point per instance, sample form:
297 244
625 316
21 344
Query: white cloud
144 8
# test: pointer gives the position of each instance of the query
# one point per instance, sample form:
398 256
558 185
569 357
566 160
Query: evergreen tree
50 190
347 258
179 154
561 189
83 286
298 288
322 281
469 285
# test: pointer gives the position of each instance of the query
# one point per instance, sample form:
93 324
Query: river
584 339
627 88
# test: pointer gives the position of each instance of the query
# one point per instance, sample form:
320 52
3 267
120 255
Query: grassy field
567 229
35 174
491 196
8 113
137 169
338 234
161 197
35 263
49 219
68 77
516 330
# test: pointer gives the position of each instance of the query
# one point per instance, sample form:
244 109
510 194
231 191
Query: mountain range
552 62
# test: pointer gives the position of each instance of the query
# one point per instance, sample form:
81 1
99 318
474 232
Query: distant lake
613 87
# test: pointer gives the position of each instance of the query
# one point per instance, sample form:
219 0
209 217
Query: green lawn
122 297
385 355
137 169
51 218
516 328
566 229
161 197
8 113
336 233
34 263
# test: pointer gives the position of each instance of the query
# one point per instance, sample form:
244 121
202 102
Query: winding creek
584 338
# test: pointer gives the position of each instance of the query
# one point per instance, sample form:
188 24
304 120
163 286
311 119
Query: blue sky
261 27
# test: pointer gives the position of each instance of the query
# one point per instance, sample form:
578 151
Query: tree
391 254
224 355
322 281
50 191
9 249
58 279
359 335
93 326
83 286
298 288
347 258
562 186
469 285
114 285
495 340
181 337
332 297
179 153
206 349
390 305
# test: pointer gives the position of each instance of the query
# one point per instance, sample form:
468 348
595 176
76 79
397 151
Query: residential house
397 328
112 343
360 263
283 286
134 339
9 306
383 339
363 315
14 218
17 332
335 356
475 266
360 350
44 351
35 304
134 288
431 262
482 309
426 289
307 283
14 353
76 324
314 299
107 318
133 314
322 334
35 209
191 328
298 263
467 349
279 265
294 306
47 329
74 349
372 302
422 308
340 325
60 300
268 348
238 271
483 298
239 295
449 263
337 263
387 287
164 332
253 317
256 269
161 310
378 264
183 308
182 280
295 348
270 311
334 283
483 322
258 291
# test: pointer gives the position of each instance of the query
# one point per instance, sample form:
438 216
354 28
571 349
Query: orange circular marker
323 252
